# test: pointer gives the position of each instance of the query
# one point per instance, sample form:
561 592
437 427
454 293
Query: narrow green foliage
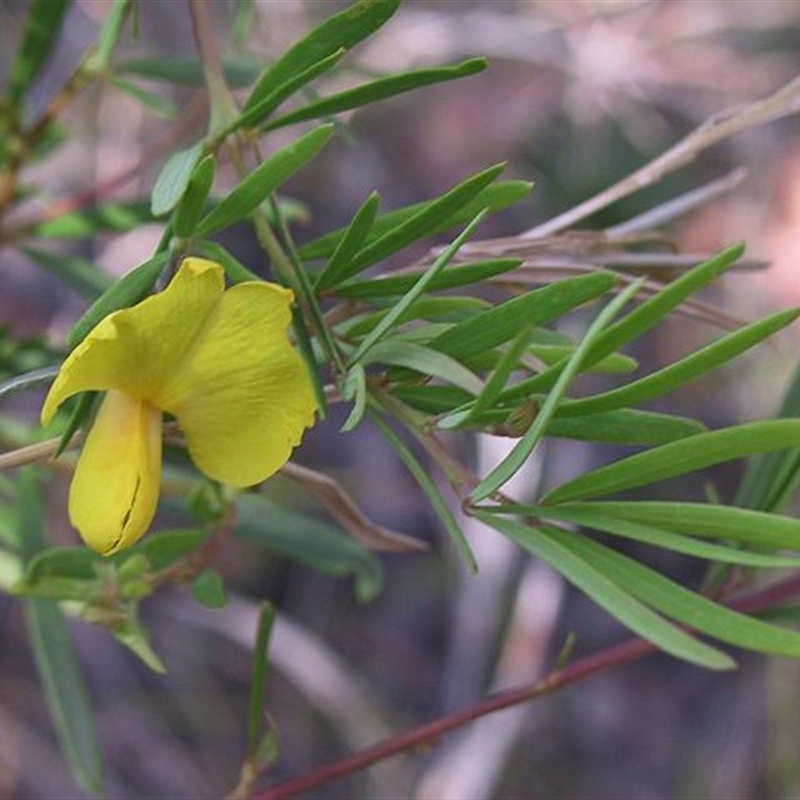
451 278
551 546
644 317
624 426
256 114
263 180
255 726
495 197
388 322
681 604
341 31
430 489
681 457
45 20
56 661
190 206
308 541
423 223
349 244
507 363
129 289
607 518
174 178
684 370
502 323
425 361
770 479
355 388
512 463
112 216
155 102
78 273
378 90
189 72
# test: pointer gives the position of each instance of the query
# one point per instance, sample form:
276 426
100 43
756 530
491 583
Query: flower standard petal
114 491
135 349
243 397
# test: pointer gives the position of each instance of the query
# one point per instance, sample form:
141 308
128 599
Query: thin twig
716 128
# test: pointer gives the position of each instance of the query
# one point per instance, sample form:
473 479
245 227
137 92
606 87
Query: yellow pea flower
219 361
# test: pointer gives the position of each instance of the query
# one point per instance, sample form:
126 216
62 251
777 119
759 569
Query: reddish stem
611 657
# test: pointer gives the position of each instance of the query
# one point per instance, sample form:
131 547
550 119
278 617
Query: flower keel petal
114 492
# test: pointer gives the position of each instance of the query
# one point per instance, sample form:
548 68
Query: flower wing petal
244 397
114 492
135 349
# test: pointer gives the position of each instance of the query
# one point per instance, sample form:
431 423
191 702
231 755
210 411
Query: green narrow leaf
342 30
495 197
678 458
388 322
599 585
238 72
423 222
129 289
111 216
639 321
267 177
757 528
308 541
512 463
56 661
502 323
349 244
682 604
625 426
508 362
684 370
78 273
266 620
430 489
377 90
109 36
43 27
424 360
355 388
770 478
173 179
256 114
452 278
191 203
598 517
162 106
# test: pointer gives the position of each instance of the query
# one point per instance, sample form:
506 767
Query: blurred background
578 95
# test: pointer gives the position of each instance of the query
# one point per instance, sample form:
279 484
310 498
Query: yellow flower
219 361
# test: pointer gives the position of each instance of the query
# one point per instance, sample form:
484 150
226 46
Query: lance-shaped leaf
173 179
378 90
495 197
639 321
267 177
512 463
603 517
43 26
598 584
342 30
684 370
681 457
681 604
